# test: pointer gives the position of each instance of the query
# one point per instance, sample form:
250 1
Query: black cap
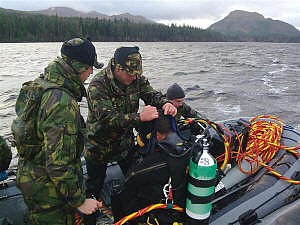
81 50
175 91
121 54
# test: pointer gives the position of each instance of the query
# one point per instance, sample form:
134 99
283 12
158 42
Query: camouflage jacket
186 111
113 113
54 177
5 155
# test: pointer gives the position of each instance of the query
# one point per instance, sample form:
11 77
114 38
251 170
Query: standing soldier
113 97
49 169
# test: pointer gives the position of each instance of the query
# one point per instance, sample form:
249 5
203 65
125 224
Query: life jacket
24 126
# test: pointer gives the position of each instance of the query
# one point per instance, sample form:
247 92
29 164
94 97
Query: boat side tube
267 201
268 193
12 207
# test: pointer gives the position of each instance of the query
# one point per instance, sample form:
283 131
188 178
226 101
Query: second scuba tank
235 175
201 185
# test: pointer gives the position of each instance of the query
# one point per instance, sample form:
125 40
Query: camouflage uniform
113 113
5 155
185 111
52 182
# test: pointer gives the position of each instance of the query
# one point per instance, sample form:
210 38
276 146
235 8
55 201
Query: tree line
41 28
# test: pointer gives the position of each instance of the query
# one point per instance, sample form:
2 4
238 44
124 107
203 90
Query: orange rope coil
262 144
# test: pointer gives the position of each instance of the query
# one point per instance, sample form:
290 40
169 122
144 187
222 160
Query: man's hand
89 206
148 113
169 109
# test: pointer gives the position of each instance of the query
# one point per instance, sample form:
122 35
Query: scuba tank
234 176
201 183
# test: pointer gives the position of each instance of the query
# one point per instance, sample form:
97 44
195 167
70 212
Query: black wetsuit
145 181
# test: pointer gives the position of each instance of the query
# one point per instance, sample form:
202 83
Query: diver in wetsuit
145 181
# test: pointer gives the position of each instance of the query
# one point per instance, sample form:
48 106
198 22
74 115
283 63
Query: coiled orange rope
262 145
146 210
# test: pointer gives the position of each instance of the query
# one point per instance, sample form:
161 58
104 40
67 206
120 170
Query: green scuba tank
201 184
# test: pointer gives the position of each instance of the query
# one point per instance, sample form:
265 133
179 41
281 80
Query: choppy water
221 80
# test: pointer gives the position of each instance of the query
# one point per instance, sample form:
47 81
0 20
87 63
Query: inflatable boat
258 159
270 193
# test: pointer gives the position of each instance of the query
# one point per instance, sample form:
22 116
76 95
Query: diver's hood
173 143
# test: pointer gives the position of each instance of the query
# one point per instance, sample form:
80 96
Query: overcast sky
199 13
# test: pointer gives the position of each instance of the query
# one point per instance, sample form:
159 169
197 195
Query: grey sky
199 13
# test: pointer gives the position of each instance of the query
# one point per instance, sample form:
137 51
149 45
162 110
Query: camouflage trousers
56 216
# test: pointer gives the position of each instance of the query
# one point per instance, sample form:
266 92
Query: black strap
201 183
199 199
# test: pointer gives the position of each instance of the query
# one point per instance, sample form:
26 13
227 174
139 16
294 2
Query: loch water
221 80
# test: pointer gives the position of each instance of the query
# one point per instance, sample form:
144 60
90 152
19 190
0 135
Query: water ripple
223 80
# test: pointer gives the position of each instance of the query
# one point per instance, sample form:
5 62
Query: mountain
68 12
11 11
252 26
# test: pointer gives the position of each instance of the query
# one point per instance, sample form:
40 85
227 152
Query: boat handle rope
146 210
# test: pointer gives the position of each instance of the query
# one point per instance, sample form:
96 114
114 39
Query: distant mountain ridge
252 26
69 12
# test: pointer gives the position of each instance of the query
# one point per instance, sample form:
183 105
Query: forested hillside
24 27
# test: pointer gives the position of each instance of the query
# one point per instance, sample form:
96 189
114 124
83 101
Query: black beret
81 50
175 91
